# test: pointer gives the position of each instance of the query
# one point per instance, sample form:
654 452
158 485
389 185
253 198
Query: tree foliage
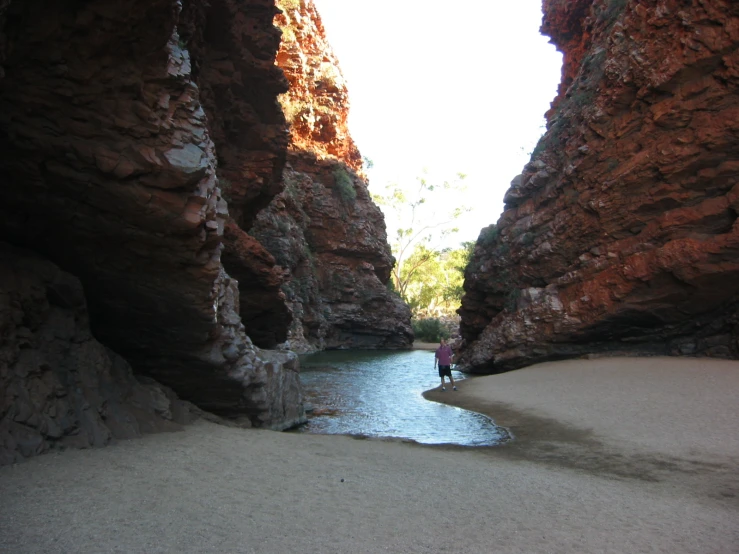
427 275
434 279
430 330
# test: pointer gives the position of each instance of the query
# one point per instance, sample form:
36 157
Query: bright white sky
449 87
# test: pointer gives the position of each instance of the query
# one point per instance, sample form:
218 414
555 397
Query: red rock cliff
621 234
324 228
232 47
111 114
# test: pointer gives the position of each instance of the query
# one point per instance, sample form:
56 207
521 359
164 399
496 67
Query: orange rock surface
324 228
317 103
621 235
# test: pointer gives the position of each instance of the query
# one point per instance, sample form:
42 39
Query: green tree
422 275
422 220
434 279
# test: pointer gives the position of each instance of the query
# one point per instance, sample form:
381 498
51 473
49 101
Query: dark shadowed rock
59 387
108 169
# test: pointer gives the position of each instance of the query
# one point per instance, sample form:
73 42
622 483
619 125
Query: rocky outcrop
324 228
232 48
233 44
326 231
621 234
317 102
262 304
59 387
107 129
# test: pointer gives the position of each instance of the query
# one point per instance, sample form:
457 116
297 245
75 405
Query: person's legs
448 373
441 375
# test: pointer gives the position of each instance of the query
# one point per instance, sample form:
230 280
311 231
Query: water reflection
378 394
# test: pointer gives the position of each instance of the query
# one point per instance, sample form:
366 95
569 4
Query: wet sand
618 455
631 417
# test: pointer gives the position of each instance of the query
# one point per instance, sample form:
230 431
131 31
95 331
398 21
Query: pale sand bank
678 406
639 484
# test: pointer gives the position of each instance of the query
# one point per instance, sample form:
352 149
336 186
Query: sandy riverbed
617 455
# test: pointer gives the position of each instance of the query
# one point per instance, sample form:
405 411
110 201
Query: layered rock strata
232 48
327 232
59 387
324 228
109 170
317 102
621 234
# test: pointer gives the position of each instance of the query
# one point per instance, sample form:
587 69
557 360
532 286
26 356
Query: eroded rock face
621 234
262 304
324 228
232 45
317 102
59 387
108 168
326 231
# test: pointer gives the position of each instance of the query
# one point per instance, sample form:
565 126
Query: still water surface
378 394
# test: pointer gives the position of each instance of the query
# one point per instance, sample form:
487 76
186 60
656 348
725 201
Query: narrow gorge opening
190 167
443 124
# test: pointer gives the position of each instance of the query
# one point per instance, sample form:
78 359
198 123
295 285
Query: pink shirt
444 355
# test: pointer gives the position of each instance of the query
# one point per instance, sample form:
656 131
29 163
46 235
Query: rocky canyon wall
323 228
232 47
163 219
111 117
621 234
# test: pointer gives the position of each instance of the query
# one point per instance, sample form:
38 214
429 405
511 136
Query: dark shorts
445 370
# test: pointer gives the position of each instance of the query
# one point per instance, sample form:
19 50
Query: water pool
378 394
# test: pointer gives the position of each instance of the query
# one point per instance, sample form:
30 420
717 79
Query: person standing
443 358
